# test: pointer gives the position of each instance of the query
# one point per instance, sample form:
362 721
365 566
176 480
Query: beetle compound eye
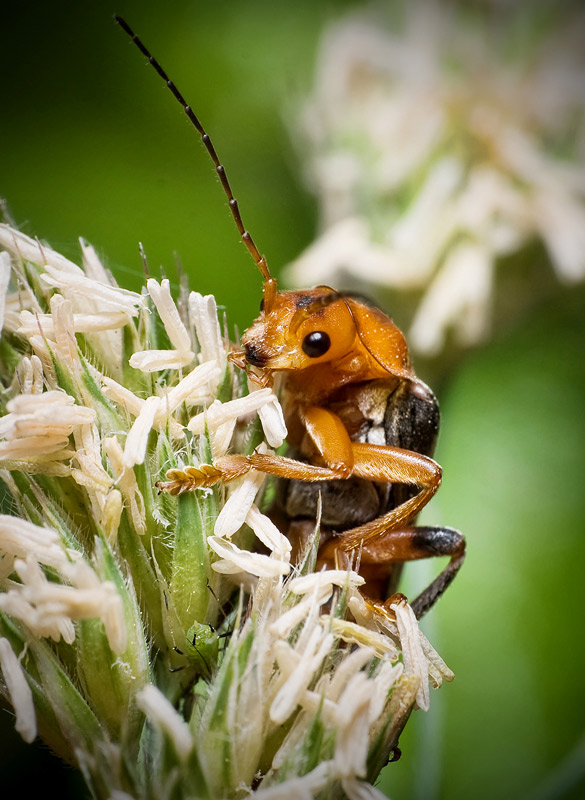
316 344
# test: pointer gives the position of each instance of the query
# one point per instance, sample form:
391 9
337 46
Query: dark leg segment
439 542
380 556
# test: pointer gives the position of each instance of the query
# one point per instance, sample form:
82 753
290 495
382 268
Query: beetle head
303 329
300 329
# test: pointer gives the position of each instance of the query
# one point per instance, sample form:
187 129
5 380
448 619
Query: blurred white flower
436 142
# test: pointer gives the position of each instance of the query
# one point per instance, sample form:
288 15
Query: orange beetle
361 426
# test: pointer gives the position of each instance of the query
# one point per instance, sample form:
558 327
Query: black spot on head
253 356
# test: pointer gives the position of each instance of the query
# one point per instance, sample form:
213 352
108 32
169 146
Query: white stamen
268 533
233 515
351 743
19 691
21 538
22 246
123 396
203 312
91 472
273 423
127 483
189 389
92 265
34 448
110 298
307 787
352 633
163 716
438 670
53 413
31 324
316 648
287 621
325 578
112 514
167 311
349 667
30 375
456 297
221 418
49 608
235 560
221 413
157 360
137 439
5 269
415 662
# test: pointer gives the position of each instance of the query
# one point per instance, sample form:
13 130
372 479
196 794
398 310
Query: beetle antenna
269 282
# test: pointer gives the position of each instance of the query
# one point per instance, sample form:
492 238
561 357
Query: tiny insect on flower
361 426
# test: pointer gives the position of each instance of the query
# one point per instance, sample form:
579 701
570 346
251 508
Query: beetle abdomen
412 418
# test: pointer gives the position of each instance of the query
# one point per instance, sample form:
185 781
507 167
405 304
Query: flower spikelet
151 616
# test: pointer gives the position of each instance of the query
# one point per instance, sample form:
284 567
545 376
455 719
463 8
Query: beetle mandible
362 427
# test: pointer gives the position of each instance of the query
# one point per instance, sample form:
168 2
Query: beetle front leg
228 468
204 476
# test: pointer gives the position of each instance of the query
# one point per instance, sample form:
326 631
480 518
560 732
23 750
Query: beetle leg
382 463
398 546
331 438
343 457
283 467
228 468
203 476
378 463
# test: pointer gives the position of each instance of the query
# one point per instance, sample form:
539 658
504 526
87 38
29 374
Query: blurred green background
93 145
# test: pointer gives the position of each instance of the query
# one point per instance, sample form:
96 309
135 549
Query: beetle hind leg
439 542
381 557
